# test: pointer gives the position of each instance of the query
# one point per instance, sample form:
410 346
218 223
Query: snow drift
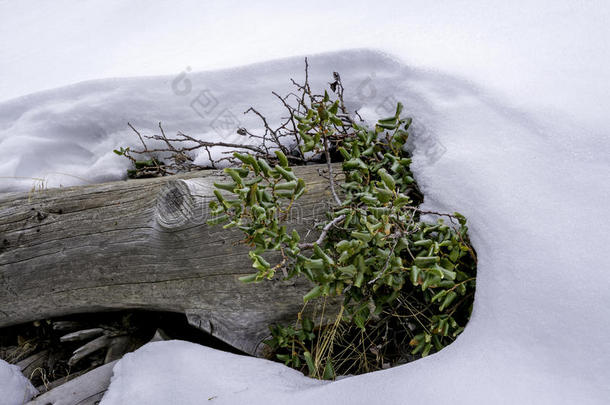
527 162
15 389
534 196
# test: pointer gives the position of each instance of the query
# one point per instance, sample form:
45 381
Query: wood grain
143 244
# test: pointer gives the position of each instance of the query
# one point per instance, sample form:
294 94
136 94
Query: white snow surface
534 195
511 130
195 374
15 389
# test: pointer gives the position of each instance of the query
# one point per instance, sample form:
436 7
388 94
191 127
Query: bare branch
325 231
331 180
176 153
139 136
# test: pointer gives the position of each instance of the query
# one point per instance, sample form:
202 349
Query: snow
193 374
539 52
533 196
512 131
15 389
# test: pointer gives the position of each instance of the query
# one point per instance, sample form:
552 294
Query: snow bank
15 389
527 163
534 196
538 52
176 372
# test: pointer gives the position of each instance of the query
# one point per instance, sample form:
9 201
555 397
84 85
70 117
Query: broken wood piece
87 389
117 347
66 326
159 336
56 383
88 348
82 335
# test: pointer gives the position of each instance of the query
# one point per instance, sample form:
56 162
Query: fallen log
143 244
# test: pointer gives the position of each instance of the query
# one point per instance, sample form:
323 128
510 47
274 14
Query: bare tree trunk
142 244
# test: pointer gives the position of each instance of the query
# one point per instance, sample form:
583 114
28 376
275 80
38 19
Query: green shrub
405 281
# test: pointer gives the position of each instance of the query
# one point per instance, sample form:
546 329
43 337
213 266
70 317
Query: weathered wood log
143 244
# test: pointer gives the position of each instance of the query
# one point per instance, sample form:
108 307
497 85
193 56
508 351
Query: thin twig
330 172
325 231
386 265
138 133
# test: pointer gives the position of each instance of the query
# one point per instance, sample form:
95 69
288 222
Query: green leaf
281 158
335 120
363 236
387 179
313 293
438 295
329 372
290 185
448 300
253 181
322 255
344 153
354 163
249 278
348 272
284 358
359 279
310 364
424 260
388 120
218 220
454 255
265 168
234 175
286 173
427 349
399 107
334 108
226 186
307 324
460 217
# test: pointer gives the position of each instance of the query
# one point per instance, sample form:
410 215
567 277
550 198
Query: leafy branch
406 283
374 249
